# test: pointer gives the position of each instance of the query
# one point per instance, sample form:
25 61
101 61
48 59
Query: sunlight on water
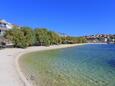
87 65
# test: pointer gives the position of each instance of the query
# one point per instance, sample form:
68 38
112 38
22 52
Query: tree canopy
21 38
26 36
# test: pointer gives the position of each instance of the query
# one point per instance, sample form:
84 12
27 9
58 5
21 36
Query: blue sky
74 17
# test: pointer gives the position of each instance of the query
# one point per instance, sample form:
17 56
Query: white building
4 25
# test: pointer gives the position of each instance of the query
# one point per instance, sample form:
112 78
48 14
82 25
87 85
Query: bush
21 38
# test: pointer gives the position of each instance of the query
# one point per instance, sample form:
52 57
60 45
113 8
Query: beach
10 73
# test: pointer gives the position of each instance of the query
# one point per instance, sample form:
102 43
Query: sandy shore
10 72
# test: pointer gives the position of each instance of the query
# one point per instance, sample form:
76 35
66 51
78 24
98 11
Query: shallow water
87 65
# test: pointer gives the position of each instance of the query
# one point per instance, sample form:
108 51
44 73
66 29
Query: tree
29 35
73 40
42 37
54 38
21 38
25 36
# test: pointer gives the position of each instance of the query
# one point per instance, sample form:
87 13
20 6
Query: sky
73 17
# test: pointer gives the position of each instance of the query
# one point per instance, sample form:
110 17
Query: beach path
8 72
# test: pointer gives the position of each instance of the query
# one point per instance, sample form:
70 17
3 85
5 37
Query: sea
85 65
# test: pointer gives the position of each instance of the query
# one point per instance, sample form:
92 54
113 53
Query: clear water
87 65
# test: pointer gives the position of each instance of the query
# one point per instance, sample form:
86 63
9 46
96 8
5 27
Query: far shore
11 74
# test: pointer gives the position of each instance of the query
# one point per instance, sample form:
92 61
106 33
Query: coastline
11 74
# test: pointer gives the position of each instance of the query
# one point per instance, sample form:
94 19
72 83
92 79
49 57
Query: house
4 25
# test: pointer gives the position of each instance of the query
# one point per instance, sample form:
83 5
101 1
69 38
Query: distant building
4 25
101 38
105 39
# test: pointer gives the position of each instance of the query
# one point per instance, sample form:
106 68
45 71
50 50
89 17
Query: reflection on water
87 65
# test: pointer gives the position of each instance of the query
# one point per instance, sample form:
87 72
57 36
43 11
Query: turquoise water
87 65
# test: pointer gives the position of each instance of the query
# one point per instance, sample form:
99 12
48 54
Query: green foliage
54 38
46 37
29 35
25 36
21 38
73 40
42 37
